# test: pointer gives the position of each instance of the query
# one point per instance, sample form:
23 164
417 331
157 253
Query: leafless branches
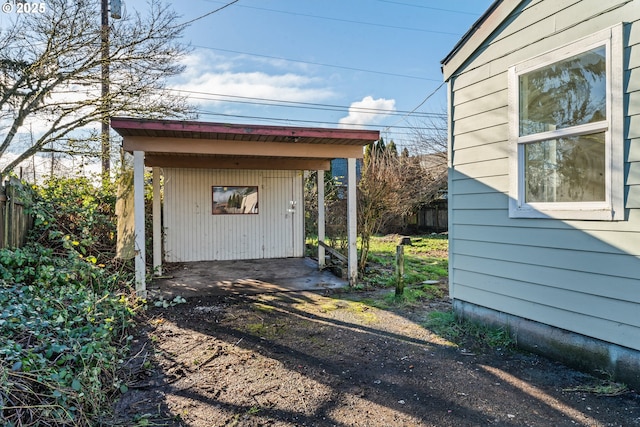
50 71
394 186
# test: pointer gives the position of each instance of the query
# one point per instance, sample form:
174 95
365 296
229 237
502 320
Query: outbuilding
233 191
544 178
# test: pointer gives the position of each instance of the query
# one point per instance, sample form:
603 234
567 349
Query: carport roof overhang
175 143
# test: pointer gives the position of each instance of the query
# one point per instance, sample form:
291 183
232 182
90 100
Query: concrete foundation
202 278
587 354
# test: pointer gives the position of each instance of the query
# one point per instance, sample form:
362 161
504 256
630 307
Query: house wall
581 276
193 233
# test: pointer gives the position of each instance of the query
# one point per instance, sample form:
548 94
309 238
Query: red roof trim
122 125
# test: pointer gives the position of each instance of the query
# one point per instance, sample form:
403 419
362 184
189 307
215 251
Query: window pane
567 93
565 170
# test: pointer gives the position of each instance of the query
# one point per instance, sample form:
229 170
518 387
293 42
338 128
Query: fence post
399 270
8 215
4 216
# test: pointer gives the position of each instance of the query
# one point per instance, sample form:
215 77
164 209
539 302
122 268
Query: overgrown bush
64 311
74 211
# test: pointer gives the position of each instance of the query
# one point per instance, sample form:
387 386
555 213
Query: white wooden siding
583 276
192 233
283 220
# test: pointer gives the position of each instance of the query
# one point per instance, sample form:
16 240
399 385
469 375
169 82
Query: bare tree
429 148
393 186
380 194
429 138
50 73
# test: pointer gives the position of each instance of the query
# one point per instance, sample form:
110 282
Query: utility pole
105 143
106 104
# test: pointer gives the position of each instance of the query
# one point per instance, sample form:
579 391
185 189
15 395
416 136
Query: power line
184 24
429 7
419 105
317 122
297 104
329 107
281 103
317 63
349 21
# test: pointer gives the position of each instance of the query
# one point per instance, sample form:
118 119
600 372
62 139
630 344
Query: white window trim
612 209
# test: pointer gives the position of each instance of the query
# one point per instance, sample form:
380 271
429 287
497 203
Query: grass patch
601 388
328 307
445 324
263 330
414 295
254 410
263 307
425 259
466 333
362 311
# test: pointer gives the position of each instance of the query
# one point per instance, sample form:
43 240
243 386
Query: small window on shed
229 200
566 131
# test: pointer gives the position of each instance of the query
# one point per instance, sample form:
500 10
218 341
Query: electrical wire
428 7
349 21
296 104
315 63
184 24
419 105
316 122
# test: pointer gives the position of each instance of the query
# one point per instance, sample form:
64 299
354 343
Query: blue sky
318 63
320 57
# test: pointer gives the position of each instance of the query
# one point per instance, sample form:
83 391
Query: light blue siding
582 276
633 98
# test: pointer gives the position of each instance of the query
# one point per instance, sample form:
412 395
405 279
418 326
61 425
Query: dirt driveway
311 359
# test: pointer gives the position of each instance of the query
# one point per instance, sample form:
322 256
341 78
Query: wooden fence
432 218
15 222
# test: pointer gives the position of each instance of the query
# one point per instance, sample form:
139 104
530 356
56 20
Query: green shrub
74 214
65 311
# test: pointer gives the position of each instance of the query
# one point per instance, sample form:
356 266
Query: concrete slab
204 278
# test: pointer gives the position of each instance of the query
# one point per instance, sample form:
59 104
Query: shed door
278 220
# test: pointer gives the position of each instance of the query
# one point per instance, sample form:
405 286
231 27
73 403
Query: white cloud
367 112
203 60
289 87
213 74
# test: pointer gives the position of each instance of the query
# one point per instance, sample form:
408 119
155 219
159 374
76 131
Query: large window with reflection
566 131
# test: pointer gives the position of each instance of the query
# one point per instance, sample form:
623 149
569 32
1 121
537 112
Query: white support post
157 226
321 223
352 222
138 213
